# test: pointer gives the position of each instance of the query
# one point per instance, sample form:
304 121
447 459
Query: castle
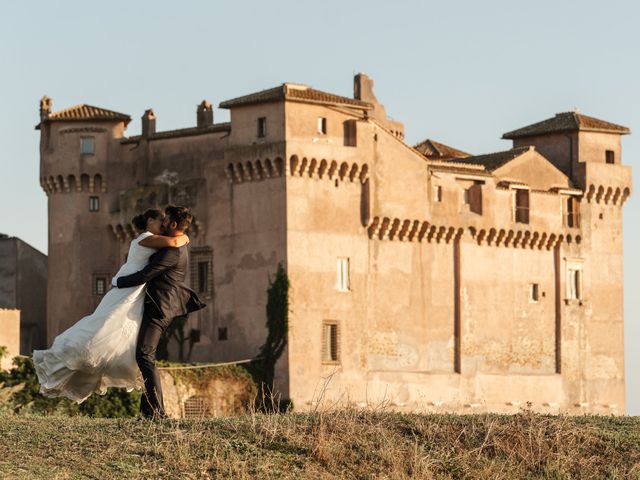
423 277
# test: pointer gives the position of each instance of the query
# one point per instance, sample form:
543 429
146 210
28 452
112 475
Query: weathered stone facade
423 277
23 286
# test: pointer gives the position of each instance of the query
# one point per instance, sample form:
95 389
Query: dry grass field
336 444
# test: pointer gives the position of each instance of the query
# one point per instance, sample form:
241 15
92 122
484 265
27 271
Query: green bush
117 403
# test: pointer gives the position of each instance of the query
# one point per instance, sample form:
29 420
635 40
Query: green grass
338 444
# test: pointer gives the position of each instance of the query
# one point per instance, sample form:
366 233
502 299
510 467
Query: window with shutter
475 198
522 206
350 139
330 342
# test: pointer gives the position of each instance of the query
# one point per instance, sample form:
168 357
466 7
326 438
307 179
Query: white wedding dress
99 351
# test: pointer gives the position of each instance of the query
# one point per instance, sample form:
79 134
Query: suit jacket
164 276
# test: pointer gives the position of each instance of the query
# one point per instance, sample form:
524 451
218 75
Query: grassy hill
341 444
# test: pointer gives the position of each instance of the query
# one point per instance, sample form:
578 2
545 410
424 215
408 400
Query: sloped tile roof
438 151
493 161
300 93
567 122
87 112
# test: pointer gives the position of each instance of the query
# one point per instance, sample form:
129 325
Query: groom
167 297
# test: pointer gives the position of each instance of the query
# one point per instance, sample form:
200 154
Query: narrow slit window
342 282
330 345
437 194
534 292
223 334
94 204
322 126
203 277
522 206
574 284
262 127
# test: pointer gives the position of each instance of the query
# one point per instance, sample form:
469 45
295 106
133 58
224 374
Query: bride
99 351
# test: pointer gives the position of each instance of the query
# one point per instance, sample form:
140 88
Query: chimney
205 114
46 105
363 88
148 123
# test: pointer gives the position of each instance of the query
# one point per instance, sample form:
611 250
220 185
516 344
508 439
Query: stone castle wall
439 312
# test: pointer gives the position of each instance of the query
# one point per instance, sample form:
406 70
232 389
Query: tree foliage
263 368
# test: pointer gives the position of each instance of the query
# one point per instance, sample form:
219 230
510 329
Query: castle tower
588 151
75 146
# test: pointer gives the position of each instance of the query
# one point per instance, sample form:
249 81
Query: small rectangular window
342 283
534 292
223 334
201 271
610 156
466 198
437 194
100 286
262 127
330 343
94 204
474 198
194 335
322 125
522 206
574 284
350 137
203 277
572 212
86 145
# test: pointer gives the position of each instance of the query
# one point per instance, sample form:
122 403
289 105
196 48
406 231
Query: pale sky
459 72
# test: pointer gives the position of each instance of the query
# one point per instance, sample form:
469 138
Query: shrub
117 403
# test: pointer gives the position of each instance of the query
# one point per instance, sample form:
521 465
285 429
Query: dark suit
167 297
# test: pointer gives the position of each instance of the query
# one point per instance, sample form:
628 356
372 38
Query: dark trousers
151 329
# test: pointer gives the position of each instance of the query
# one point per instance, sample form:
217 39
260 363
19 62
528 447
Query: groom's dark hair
181 215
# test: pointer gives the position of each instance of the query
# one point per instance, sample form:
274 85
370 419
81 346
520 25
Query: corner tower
588 150
75 147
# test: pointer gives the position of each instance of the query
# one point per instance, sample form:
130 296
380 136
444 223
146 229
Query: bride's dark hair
140 221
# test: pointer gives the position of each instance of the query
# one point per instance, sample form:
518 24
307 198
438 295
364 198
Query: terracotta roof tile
493 161
567 122
87 112
294 92
438 151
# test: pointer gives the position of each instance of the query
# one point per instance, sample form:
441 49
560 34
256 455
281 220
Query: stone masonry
423 277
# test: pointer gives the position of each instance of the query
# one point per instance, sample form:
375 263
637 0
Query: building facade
23 286
423 277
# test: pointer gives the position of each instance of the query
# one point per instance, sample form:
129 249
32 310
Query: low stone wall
207 392
9 335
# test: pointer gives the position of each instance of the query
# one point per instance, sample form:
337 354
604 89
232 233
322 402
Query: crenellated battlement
327 169
71 183
407 230
254 171
607 195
